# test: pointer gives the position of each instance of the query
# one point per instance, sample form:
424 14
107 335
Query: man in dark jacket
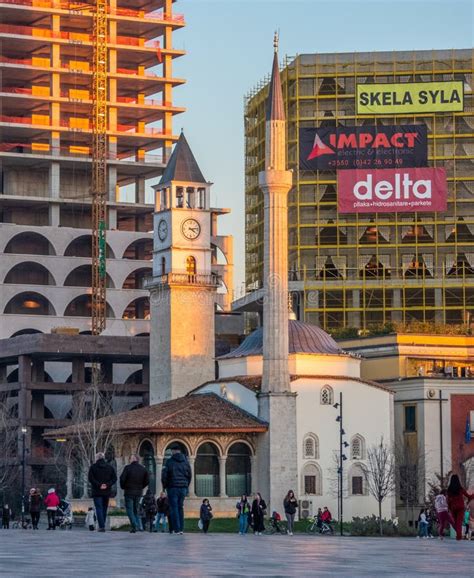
176 477
133 480
102 477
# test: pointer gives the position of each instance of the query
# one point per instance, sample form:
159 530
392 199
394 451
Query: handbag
200 524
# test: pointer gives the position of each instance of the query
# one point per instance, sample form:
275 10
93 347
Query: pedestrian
102 478
6 516
466 524
141 516
471 514
319 518
290 504
456 495
34 500
149 506
176 477
442 512
133 480
205 515
243 512
51 502
162 512
259 508
422 524
91 519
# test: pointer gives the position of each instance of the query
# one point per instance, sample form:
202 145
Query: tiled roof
182 165
302 338
196 413
254 382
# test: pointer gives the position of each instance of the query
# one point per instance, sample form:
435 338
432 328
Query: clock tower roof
182 165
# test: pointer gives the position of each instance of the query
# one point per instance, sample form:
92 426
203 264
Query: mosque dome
302 337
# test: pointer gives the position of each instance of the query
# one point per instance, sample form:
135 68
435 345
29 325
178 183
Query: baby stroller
64 517
275 525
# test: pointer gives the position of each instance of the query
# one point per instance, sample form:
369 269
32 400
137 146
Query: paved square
45 554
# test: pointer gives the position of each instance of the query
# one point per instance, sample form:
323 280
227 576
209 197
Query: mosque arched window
357 448
311 447
206 470
312 480
191 265
327 395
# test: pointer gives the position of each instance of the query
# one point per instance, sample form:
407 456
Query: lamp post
23 472
342 444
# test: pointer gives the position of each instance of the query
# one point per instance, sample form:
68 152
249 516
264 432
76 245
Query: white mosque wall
234 392
366 415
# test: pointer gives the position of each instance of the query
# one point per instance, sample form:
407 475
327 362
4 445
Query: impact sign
411 97
352 147
392 190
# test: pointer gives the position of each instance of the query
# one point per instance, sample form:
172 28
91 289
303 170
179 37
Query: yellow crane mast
99 166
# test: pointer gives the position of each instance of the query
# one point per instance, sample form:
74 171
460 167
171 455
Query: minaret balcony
183 278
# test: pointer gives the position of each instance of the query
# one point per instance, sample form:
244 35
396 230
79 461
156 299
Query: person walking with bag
205 515
290 503
259 508
102 477
133 480
457 507
243 512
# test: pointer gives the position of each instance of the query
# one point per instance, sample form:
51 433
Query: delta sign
350 147
392 190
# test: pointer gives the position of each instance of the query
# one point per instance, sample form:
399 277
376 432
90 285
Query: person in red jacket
51 502
457 507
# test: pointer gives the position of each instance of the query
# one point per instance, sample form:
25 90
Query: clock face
191 229
162 230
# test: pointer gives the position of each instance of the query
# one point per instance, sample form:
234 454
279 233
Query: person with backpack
290 504
243 513
150 509
133 480
205 515
51 502
162 512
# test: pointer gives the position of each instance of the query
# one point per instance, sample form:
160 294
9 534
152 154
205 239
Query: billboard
392 190
352 147
411 97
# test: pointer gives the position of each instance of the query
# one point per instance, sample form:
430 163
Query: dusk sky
229 46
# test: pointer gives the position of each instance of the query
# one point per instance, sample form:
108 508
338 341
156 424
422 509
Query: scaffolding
363 270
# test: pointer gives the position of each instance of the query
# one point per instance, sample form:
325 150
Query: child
441 507
91 519
149 506
470 507
422 525
466 523
205 515
6 515
162 512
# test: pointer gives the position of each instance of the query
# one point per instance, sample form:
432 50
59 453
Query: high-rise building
46 129
367 269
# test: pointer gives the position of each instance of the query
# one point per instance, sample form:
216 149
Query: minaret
277 453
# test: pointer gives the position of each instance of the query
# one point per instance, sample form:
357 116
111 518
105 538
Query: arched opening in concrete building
138 309
82 277
29 303
136 279
218 256
140 250
29 273
29 243
82 247
206 470
81 306
135 378
238 478
147 455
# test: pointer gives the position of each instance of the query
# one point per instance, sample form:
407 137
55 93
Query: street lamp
23 472
342 459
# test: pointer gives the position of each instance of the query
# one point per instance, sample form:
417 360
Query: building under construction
365 270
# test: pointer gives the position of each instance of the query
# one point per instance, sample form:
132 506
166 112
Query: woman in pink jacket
51 502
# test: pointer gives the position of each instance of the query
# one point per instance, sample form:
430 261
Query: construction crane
99 166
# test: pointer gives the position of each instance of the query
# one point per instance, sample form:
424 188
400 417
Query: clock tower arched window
190 265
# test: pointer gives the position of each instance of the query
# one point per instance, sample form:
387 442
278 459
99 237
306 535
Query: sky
229 50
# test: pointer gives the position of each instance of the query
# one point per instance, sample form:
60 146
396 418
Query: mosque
265 416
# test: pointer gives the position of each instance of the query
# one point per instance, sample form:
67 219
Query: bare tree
410 475
9 471
93 429
379 474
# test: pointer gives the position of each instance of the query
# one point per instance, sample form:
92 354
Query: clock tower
183 288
